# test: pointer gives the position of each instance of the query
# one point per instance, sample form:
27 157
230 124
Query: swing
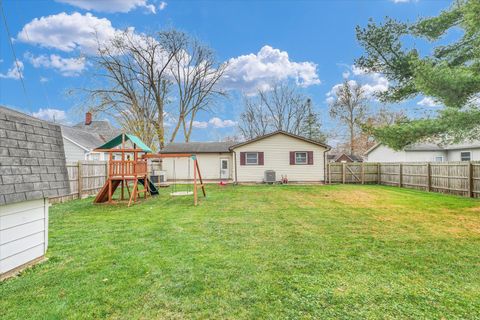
175 192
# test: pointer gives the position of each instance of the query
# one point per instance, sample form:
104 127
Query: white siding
424 156
209 164
454 155
385 154
276 151
73 152
23 233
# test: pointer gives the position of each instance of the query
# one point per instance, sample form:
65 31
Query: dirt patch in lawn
358 198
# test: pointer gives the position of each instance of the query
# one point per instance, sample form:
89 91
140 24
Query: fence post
429 177
344 174
363 173
400 175
379 174
80 179
470 179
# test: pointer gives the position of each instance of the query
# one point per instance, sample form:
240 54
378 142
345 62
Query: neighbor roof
86 140
280 132
101 127
32 159
198 147
118 141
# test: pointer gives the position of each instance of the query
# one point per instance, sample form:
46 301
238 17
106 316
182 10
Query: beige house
425 152
290 156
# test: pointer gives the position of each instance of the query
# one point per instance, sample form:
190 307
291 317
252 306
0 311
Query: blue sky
266 40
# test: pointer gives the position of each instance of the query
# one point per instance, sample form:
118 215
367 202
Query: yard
258 252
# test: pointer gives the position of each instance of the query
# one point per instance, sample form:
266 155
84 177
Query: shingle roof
198 147
32 159
435 146
280 132
86 139
101 127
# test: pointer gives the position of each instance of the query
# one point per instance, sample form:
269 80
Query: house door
224 169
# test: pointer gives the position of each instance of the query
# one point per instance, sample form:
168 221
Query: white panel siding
276 151
23 233
209 164
72 151
454 155
385 154
424 156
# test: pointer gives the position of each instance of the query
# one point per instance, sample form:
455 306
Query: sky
309 43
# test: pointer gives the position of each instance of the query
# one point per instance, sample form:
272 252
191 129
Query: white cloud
252 72
372 83
428 102
162 5
219 123
200 124
68 67
43 79
111 5
403 1
15 72
68 32
50 114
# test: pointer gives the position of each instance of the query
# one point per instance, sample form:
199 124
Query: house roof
198 147
86 140
280 132
32 159
119 139
101 127
352 157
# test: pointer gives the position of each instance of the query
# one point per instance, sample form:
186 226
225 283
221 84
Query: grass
252 252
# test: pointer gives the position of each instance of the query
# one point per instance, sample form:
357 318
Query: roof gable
283 133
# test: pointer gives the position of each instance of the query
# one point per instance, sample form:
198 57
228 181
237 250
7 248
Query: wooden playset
133 167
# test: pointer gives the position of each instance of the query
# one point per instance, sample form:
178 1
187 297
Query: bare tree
350 108
196 74
282 107
135 82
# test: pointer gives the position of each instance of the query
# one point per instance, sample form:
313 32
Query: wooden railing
117 168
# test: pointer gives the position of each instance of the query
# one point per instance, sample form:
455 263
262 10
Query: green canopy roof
118 141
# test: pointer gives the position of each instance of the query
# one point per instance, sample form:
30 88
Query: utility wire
14 54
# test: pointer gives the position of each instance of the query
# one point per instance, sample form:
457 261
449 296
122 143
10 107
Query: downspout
235 161
325 165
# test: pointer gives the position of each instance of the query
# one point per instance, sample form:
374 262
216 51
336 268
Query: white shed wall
209 164
385 154
23 233
276 151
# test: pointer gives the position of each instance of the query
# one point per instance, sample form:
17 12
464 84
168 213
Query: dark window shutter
260 159
242 158
292 157
310 157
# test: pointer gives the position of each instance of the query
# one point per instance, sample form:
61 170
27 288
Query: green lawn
254 252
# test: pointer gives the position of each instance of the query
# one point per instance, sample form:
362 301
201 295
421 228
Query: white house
80 140
425 152
296 158
32 169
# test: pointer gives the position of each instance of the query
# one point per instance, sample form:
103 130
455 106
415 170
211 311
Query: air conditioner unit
270 176
159 176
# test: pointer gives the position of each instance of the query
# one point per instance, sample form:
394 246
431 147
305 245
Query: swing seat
181 193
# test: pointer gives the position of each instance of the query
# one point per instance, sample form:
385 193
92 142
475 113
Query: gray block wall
32 158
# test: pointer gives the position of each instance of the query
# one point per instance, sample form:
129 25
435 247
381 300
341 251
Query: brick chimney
88 118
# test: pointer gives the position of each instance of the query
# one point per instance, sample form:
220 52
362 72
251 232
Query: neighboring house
425 152
343 157
101 127
297 158
81 139
32 169
79 145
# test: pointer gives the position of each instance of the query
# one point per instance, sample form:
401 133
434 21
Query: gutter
325 164
235 161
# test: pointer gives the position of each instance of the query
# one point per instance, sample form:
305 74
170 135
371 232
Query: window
300 158
439 159
465 156
251 158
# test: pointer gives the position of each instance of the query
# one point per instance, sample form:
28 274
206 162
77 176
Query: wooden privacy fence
459 178
85 178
